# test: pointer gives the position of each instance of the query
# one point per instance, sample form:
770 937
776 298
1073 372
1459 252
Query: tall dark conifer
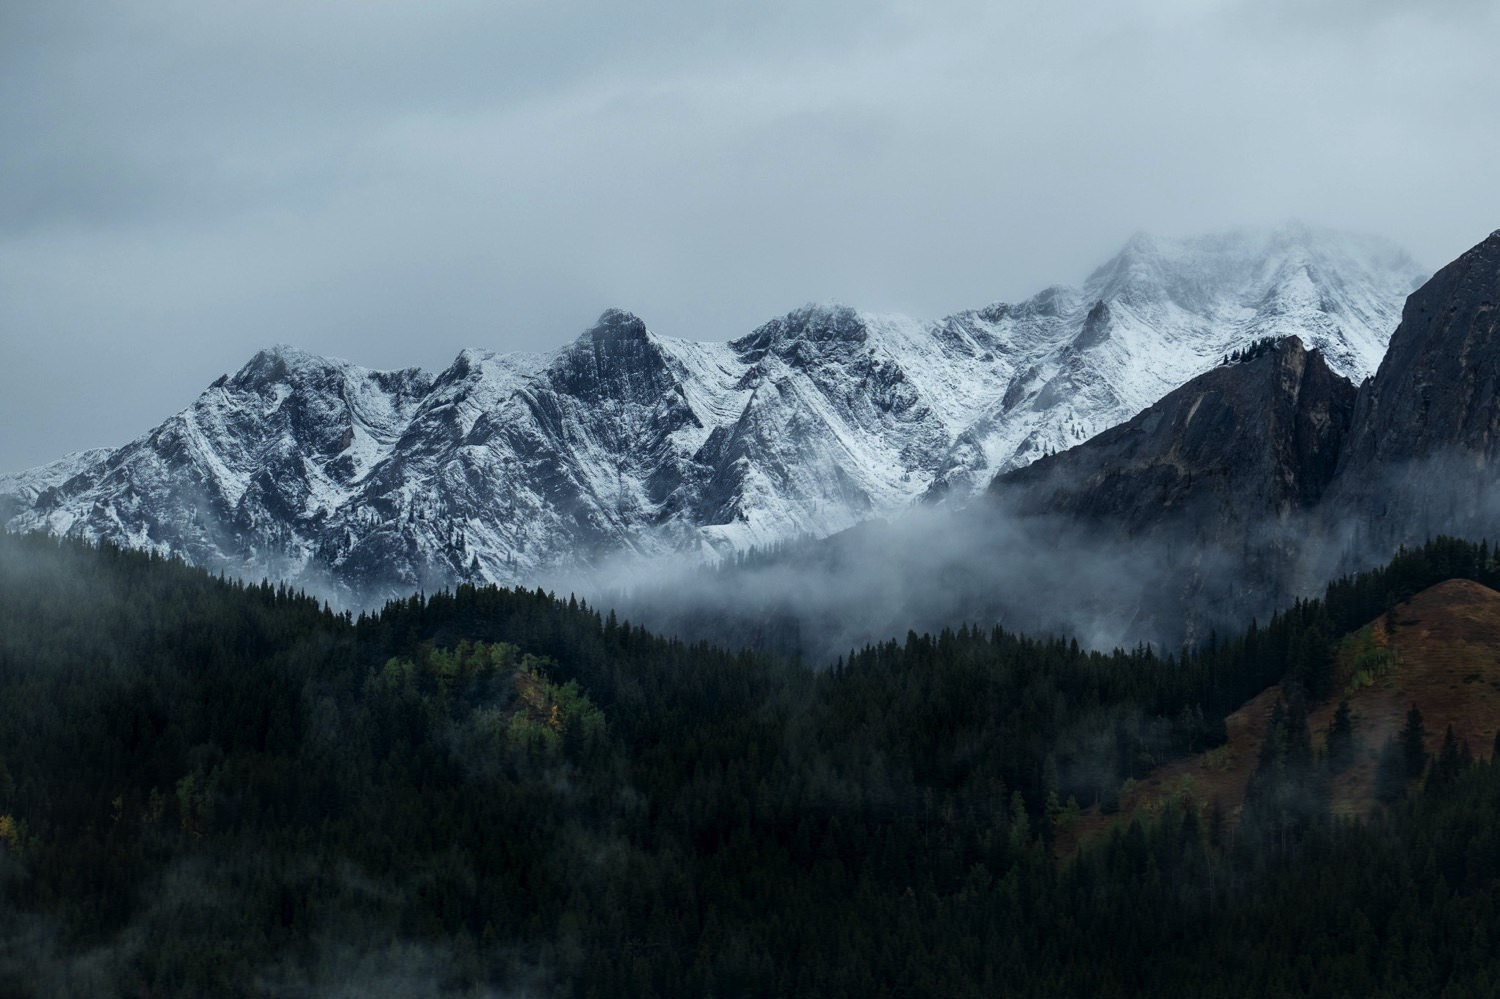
1413 740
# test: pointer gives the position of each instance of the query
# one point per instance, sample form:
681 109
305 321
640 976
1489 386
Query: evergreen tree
1413 739
1450 762
1340 741
1390 773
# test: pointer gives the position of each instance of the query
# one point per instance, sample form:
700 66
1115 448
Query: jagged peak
474 357
468 361
993 313
826 322
478 360
823 312
283 364
618 354
280 362
1095 327
813 323
1138 262
1050 302
616 325
293 355
616 336
1247 262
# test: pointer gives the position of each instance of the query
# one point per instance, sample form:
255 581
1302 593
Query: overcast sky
183 182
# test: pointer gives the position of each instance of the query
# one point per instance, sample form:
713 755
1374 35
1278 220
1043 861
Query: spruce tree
1341 739
1414 744
1390 773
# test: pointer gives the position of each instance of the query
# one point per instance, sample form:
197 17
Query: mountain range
505 468
1247 487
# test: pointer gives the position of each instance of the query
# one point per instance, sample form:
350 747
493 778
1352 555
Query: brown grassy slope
1446 646
1440 650
1219 776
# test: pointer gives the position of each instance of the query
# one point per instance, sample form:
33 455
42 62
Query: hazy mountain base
1197 513
1044 574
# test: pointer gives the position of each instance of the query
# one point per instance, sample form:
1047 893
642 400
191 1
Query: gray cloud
183 183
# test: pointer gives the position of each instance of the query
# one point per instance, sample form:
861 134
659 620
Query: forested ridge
208 787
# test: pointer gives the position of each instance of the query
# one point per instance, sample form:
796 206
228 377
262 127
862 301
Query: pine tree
1341 739
1390 773
1414 744
1449 764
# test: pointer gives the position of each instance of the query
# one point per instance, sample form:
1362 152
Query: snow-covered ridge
505 467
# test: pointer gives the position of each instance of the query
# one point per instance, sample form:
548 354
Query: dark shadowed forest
212 788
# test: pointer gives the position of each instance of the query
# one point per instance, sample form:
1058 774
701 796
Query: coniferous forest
214 788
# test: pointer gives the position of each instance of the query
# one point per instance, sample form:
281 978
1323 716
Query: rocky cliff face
1438 383
1249 440
365 484
1208 493
1421 457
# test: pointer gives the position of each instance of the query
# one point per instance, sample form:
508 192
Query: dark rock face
614 360
1438 385
1427 425
1225 450
1206 493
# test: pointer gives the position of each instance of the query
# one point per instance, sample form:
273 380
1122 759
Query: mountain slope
507 468
1245 441
1437 651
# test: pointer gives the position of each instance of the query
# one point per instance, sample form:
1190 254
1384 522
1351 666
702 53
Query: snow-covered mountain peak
1140 266
283 371
1050 303
806 335
617 357
498 374
615 324
1247 256
281 363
